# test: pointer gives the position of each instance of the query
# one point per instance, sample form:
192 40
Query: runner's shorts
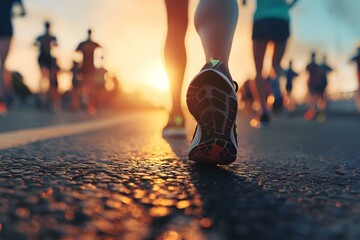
271 29
6 29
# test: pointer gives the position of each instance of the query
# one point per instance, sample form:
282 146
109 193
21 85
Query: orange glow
254 123
171 235
164 202
271 100
183 204
69 216
159 211
134 42
22 212
123 199
205 222
155 77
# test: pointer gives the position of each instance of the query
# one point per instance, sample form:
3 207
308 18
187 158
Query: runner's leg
174 51
215 22
5 43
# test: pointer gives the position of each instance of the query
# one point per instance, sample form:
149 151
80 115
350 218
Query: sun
156 78
155 86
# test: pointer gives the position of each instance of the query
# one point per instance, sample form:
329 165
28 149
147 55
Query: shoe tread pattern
213 104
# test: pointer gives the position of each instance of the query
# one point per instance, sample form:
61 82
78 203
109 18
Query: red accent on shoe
215 150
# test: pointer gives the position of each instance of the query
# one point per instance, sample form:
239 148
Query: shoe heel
213 104
209 103
214 151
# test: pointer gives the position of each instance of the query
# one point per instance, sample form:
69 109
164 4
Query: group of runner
283 98
86 77
211 96
271 27
317 83
85 70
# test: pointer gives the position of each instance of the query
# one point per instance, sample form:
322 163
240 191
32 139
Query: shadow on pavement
179 146
239 209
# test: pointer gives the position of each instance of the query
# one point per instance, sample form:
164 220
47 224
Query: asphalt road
293 180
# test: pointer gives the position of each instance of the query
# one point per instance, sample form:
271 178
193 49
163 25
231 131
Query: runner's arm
37 42
79 47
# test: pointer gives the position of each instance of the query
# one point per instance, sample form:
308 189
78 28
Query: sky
132 33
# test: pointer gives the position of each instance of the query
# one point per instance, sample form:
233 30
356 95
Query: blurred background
132 33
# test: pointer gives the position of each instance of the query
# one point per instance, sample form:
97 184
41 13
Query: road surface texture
292 180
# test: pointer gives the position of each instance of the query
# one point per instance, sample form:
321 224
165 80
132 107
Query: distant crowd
88 81
282 99
88 90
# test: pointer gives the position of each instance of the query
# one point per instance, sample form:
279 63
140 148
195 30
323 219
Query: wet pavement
293 180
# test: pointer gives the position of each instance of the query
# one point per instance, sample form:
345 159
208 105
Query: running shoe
175 128
321 117
211 99
310 115
3 109
91 110
265 118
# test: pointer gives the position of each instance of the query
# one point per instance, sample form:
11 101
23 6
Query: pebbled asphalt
292 180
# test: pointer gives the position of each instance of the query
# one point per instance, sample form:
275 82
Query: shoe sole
213 103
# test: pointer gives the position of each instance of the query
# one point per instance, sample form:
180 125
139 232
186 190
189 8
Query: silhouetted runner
271 25
55 96
247 96
290 75
75 90
46 42
356 59
316 89
87 49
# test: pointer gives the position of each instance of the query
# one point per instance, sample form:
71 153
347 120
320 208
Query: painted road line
27 136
